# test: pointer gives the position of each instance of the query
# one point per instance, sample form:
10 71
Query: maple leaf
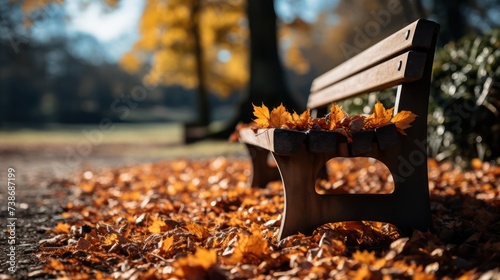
302 121
379 117
335 117
279 117
402 120
262 116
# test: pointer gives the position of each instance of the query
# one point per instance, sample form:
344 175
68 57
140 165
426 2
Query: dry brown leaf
302 121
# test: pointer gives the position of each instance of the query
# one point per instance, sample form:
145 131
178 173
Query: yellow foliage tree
186 38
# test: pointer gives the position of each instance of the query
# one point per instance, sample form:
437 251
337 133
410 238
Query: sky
116 30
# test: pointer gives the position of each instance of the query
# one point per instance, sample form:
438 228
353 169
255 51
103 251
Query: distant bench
403 59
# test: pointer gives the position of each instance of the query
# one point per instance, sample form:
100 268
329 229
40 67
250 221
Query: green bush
464 107
464 111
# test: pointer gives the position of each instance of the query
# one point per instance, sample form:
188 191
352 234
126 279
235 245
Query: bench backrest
404 57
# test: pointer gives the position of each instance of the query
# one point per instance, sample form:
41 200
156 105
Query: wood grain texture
404 68
419 37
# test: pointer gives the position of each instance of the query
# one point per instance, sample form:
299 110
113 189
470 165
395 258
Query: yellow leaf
110 240
365 257
402 120
335 117
262 115
279 117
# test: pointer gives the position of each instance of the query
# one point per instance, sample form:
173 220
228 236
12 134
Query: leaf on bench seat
379 117
280 117
336 116
262 116
301 122
402 120
336 120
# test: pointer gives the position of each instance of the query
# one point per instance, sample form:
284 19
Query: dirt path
43 187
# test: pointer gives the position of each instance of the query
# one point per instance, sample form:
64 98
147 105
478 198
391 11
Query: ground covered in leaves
197 219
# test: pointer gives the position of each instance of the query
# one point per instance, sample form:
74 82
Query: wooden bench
403 59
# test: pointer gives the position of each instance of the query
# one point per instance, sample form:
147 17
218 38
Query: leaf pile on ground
197 219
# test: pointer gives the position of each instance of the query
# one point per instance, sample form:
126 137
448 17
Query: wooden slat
280 141
403 68
263 138
419 37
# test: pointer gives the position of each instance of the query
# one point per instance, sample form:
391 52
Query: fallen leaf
402 120
379 117
302 121
195 266
279 117
335 116
262 116
62 228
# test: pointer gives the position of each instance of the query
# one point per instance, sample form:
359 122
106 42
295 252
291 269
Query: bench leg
262 172
305 209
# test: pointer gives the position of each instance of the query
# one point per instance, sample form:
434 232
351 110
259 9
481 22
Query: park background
147 92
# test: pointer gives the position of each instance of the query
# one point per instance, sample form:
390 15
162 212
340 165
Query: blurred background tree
206 61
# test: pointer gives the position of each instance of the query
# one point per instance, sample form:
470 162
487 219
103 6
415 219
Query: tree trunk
198 130
203 104
267 79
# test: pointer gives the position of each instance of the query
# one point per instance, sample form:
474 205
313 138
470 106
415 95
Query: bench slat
419 37
280 141
404 68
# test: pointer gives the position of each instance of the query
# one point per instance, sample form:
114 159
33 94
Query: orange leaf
248 247
279 117
301 122
195 266
335 117
379 117
56 265
262 116
157 225
166 244
62 228
199 231
402 120
364 257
